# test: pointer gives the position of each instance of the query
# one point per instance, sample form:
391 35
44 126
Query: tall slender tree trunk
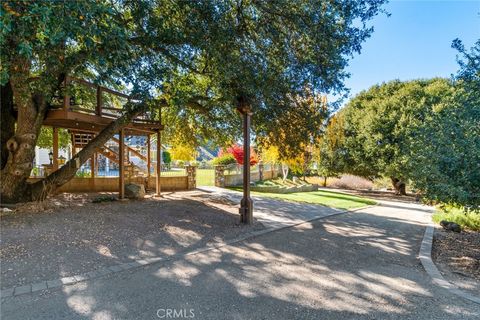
399 186
284 172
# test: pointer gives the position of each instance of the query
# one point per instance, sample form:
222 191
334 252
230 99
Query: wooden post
149 160
159 162
121 164
74 148
55 149
99 106
246 204
93 164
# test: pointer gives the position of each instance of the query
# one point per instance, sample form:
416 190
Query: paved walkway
358 265
273 213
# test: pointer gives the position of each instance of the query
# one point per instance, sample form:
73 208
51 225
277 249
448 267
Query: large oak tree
260 51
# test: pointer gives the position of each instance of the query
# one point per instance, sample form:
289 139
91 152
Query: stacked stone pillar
220 176
191 177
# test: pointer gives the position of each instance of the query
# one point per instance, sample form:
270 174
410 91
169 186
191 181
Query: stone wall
230 180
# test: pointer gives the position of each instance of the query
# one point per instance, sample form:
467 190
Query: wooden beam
93 123
121 164
55 148
246 204
130 149
159 162
93 164
149 160
74 147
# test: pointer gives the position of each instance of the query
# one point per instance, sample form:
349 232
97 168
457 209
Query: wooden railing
100 108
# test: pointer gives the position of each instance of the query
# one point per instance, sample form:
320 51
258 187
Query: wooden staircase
81 139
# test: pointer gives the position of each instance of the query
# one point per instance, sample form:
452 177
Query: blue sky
414 42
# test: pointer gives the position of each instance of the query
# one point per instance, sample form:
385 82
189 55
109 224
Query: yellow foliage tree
182 152
270 155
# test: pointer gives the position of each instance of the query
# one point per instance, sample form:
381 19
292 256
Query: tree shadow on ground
352 266
85 236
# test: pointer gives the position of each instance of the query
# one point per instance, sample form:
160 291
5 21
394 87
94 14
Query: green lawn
205 177
324 198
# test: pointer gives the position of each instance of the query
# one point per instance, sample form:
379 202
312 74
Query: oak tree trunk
399 186
31 109
7 118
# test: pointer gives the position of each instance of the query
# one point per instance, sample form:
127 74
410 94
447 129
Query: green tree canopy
267 52
329 151
446 152
193 54
381 124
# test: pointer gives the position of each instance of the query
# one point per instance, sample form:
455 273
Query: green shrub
224 160
470 220
35 171
83 174
166 157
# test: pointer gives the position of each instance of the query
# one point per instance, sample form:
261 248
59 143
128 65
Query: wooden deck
93 119
75 120
88 112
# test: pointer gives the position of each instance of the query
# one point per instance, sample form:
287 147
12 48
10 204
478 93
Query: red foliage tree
237 151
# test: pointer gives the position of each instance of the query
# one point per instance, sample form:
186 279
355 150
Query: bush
470 220
224 160
351 182
83 174
166 157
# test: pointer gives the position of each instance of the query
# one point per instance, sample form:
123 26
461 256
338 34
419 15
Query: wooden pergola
84 123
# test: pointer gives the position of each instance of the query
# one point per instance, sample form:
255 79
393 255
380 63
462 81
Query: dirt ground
458 253
69 234
457 256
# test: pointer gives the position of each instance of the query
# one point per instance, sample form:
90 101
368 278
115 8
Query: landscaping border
425 256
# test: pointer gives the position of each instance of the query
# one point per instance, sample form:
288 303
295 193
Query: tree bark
7 118
399 186
325 181
41 189
284 172
31 110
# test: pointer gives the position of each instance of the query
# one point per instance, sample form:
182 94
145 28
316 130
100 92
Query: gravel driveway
79 236
359 265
